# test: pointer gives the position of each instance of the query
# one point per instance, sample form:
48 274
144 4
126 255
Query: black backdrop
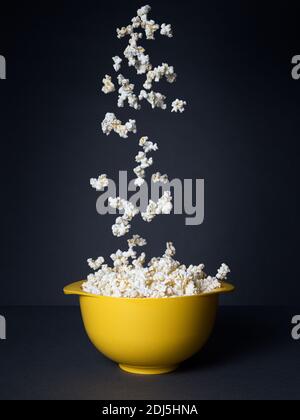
239 133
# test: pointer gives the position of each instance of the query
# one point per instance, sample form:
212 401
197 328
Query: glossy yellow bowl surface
148 336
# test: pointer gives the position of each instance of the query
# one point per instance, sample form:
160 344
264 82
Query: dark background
240 133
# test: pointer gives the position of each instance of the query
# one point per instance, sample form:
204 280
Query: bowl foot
144 370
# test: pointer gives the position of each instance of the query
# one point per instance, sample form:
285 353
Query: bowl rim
75 289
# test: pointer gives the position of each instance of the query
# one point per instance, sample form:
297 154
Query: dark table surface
251 355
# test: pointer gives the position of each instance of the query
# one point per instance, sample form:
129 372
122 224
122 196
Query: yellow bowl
148 336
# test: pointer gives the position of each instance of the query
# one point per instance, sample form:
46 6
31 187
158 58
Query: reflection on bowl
148 336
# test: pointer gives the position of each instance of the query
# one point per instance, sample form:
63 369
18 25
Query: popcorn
166 30
121 228
131 126
143 160
143 11
130 253
100 183
136 57
155 99
136 240
124 31
140 173
135 36
129 276
148 146
108 85
163 206
150 212
111 123
133 102
156 74
163 277
178 105
158 177
121 258
136 22
139 181
190 289
117 63
122 225
120 79
150 28
170 251
95 264
129 209
209 284
126 93
222 272
149 25
115 203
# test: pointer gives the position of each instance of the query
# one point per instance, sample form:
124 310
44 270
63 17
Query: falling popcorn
126 93
163 206
117 63
155 99
166 30
136 240
158 73
148 146
158 177
178 106
129 276
111 123
100 183
138 58
95 264
108 86
122 225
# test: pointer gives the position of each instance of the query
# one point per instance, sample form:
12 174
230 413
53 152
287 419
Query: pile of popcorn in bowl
129 275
